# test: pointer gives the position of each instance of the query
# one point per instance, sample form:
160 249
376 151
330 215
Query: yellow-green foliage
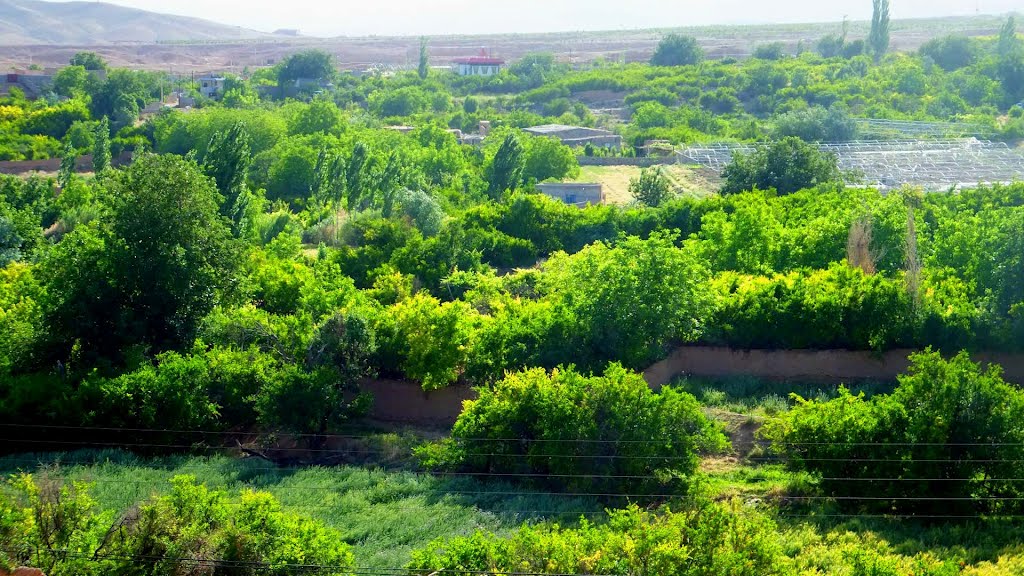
714 538
57 527
21 322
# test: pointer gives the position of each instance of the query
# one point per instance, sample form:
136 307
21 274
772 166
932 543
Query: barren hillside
86 23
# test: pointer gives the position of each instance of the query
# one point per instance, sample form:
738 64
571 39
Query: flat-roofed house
482 64
573 193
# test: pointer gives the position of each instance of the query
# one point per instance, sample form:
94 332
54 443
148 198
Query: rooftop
556 128
481 59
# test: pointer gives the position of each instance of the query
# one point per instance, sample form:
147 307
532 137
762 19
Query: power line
488 439
355 452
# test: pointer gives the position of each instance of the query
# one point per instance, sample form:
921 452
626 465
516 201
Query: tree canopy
677 50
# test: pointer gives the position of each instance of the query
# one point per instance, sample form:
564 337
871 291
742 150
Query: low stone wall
825 365
622 161
408 403
82 164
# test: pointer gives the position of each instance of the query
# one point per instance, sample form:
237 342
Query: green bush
598 434
630 300
706 539
428 340
948 440
58 528
840 307
786 166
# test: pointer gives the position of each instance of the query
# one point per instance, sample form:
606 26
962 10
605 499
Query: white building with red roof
482 64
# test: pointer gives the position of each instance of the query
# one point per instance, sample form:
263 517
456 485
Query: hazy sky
415 17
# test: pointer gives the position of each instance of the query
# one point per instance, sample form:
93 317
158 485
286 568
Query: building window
570 198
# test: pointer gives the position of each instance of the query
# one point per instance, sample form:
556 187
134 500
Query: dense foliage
713 538
308 229
786 166
600 434
58 527
947 440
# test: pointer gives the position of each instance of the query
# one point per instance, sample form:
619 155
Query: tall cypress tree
227 161
424 69
1008 41
506 171
68 159
101 146
878 39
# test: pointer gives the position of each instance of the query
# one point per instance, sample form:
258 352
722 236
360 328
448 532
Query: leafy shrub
708 538
817 125
423 210
947 420
57 527
428 339
786 166
607 433
840 307
677 50
630 300
950 52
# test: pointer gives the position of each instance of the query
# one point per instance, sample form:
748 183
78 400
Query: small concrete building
480 65
572 193
578 135
211 86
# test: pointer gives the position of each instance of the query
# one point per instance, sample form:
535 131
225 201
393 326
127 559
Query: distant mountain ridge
88 23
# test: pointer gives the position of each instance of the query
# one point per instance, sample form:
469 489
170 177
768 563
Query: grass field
384 515
615 180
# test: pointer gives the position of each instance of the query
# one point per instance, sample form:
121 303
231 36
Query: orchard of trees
263 255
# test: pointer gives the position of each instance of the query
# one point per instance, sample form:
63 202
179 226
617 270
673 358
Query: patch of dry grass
615 180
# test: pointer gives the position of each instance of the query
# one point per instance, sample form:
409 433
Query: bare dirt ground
615 181
399 52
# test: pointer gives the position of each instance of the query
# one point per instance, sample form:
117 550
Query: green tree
505 171
101 146
151 271
1011 61
1008 40
356 174
652 188
547 158
951 52
424 67
786 166
89 61
831 46
68 160
878 38
404 101
123 92
71 81
10 242
773 51
816 124
311 64
677 50
630 300
320 116
227 161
